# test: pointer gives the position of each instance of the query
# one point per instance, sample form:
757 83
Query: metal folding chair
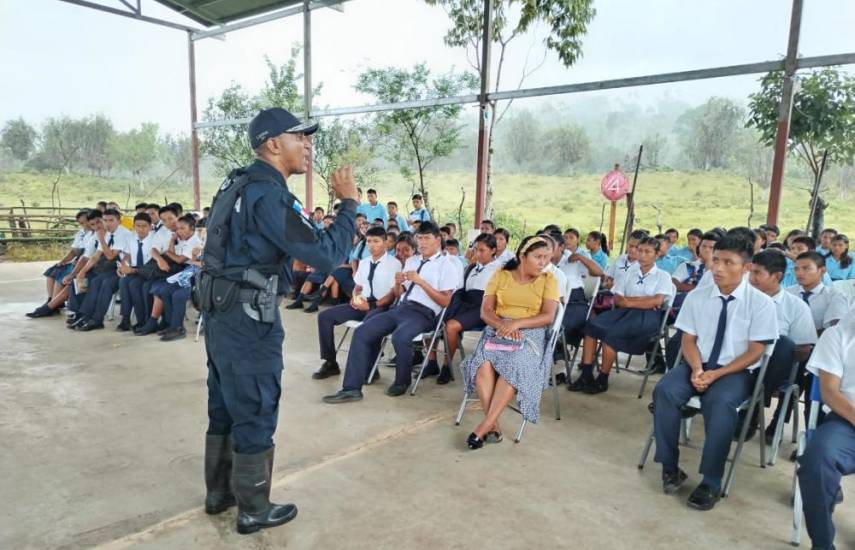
434 337
747 406
348 326
552 334
789 397
659 342
804 437
111 309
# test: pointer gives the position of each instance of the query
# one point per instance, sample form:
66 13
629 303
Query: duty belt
250 295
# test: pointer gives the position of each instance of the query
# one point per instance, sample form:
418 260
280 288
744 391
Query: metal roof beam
272 16
137 16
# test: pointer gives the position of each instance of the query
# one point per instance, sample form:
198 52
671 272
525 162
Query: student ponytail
601 237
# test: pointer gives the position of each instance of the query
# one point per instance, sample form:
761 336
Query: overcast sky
57 58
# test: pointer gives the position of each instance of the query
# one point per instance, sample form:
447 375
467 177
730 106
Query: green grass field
522 202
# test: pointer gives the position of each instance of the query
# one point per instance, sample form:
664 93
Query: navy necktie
641 278
139 254
110 242
412 285
371 269
712 362
806 296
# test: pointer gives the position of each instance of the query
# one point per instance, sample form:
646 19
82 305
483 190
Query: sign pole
612 222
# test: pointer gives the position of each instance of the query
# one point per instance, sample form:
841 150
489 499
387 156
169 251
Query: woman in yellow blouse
520 301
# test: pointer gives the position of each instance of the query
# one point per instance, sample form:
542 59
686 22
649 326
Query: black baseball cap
269 123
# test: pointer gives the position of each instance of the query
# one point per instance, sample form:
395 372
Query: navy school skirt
465 308
626 330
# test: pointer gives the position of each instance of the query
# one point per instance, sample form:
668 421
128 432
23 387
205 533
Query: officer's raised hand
343 184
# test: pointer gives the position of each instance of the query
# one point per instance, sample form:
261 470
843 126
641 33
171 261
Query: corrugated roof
219 12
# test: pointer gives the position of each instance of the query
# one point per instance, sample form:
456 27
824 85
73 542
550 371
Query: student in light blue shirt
419 213
318 217
598 245
392 214
372 209
800 245
825 237
666 261
839 263
674 250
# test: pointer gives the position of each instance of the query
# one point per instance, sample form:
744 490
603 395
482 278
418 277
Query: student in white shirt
797 334
136 253
72 280
826 305
830 452
726 328
372 294
464 311
57 272
576 268
503 254
166 306
629 327
423 289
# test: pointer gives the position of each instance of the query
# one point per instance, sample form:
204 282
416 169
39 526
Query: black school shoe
172 334
703 498
71 319
329 368
80 321
396 390
671 483
42 311
150 327
600 385
445 375
431 369
343 396
124 326
89 326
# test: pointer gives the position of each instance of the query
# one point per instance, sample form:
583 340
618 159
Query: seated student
487 227
575 267
372 210
772 233
571 242
318 217
372 294
617 271
799 245
825 237
391 241
419 213
393 215
796 331
58 271
503 237
105 281
179 209
140 208
444 233
693 240
464 311
665 260
838 263
830 452
339 284
759 240
788 240
629 327
688 274
153 211
453 228
299 274
405 248
520 303
452 248
827 306
598 246
73 280
135 254
726 327
556 248
170 304
423 289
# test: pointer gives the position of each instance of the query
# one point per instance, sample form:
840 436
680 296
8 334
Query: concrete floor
102 438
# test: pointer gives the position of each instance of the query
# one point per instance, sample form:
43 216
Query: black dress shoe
580 383
313 307
71 320
90 326
173 334
703 497
297 304
150 327
41 311
671 483
474 442
343 396
431 369
329 368
396 390
445 375
124 326
78 323
600 385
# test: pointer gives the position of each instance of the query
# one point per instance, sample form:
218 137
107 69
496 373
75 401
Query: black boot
218 474
316 301
586 378
297 303
251 482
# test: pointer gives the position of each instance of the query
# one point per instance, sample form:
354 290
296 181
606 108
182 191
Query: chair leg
728 480
685 429
796 531
341 342
459 417
377 361
427 353
555 393
779 426
761 437
646 451
795 417
199 326
520 432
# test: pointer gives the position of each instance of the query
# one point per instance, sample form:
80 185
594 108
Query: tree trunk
488 192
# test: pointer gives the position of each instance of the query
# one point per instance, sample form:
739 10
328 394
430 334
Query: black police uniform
245 355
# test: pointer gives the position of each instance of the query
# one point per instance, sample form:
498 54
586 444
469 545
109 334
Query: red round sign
614 186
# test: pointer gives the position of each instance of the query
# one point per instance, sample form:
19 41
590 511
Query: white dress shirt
835 354
794 318
505 257
560 278
826 305
185 248
751 317
637 285
132 247
439 272
383 279
575 272
80 238
480 275
161 240
619 269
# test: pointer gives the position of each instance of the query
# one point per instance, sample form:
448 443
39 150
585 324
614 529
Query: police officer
252 238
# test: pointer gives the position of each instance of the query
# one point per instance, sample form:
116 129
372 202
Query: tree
564 146
336 145
229 145
98 133
823 117
176 152
135 151
521 138
655 146
62 142
415 138
708 133
19 138
566 22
